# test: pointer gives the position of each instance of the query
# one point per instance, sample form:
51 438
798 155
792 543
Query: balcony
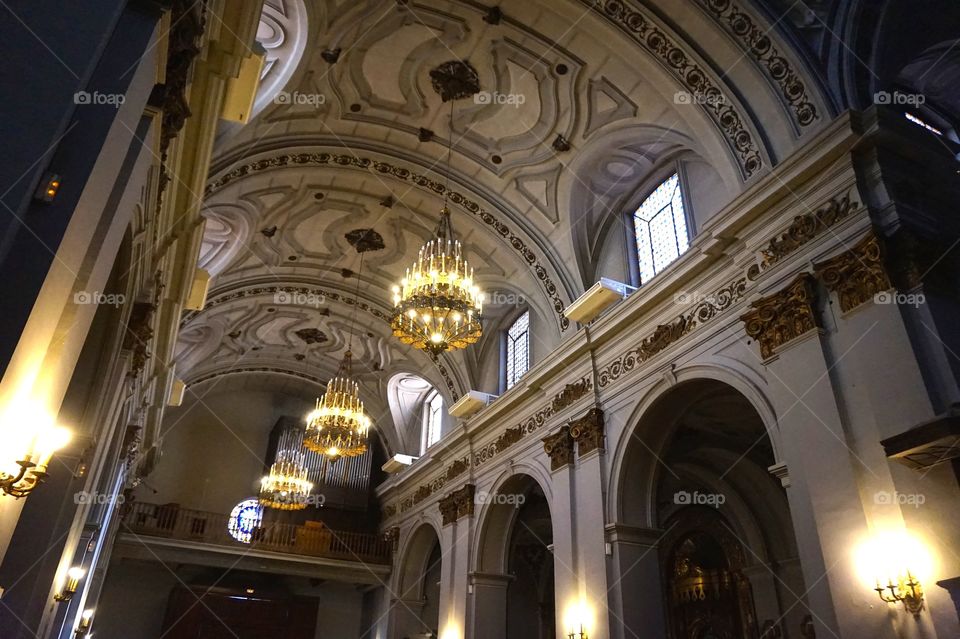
168 532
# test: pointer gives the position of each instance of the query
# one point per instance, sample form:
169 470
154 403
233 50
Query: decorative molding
312 335
448 509
757 42
667 334
318 293
782 317
392 536
559 447
588 432
731 123
415 179
803 229
256 369
139 332
856 275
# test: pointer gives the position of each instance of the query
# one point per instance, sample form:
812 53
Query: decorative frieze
803 229
588 432
783 316
559 448
571 393
758 44
392 536
857 275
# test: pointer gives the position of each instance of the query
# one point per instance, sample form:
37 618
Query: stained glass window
661 228
518 349
432 420
244 519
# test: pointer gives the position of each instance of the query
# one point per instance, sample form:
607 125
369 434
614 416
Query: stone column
559 447
825 503
488 604
455 540
636 602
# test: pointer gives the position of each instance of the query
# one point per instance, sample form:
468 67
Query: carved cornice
459 503
856 275
559 447
731 123
588 432
416 180
666 334
756 42
803 229
783 316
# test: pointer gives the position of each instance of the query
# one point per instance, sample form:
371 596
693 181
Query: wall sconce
33 467
582 634
74 575
83 628
907 589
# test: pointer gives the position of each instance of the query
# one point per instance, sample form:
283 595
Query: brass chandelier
338 426
437 305
287 486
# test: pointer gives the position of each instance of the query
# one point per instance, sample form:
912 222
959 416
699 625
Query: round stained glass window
244 519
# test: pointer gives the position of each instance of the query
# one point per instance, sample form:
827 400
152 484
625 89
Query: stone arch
421 559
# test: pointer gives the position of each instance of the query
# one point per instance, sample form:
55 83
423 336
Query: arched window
244 519
518 349
432 420
660 228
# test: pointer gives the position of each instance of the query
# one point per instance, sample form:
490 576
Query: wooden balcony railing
312 539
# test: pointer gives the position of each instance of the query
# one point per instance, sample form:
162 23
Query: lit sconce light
33 467
48 188
893 562
576 615
573 634
83 628
74 575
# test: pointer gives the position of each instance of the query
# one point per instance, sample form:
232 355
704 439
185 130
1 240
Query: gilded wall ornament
571 393
455 80
857 275
588 432
448 509
559 447
803 229
783 316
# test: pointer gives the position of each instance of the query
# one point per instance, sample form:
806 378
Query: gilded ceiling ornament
364 240
454 80
784 316
856 275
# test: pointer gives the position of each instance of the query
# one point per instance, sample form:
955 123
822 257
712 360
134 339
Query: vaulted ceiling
587 100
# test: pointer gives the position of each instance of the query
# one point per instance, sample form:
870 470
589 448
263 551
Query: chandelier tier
287 486
437 305
338 426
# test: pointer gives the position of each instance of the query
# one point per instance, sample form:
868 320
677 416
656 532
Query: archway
514 593
698 488
415 609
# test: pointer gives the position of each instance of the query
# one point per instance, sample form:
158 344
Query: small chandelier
437 306
338 426
287 486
